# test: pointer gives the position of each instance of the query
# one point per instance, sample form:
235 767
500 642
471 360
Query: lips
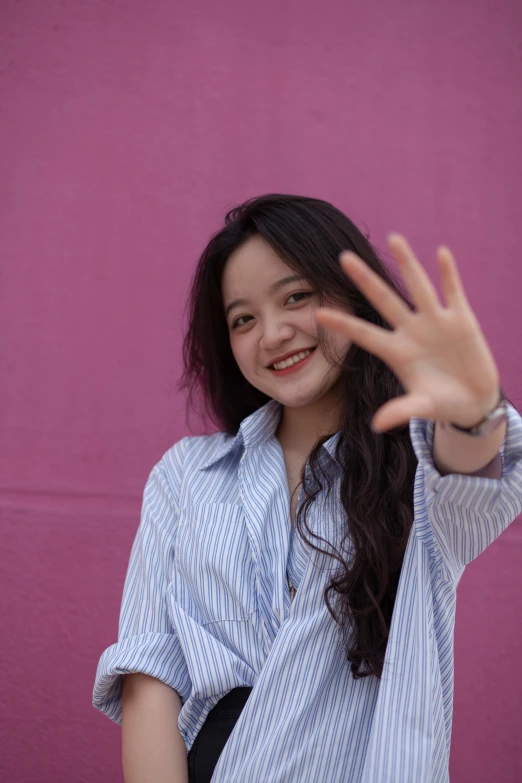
291 353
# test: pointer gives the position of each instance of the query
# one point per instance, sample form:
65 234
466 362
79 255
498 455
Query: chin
299 399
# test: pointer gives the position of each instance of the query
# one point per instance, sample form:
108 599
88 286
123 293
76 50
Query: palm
438 351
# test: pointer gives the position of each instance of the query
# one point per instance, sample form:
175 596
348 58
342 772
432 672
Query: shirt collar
258 428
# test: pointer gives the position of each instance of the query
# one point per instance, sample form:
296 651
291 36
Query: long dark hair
378 468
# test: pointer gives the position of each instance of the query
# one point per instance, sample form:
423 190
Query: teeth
291 360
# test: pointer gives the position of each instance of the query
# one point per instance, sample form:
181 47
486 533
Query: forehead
252 268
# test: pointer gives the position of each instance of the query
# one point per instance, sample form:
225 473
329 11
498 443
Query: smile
293 363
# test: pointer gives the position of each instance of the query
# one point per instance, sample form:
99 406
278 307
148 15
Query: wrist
495 415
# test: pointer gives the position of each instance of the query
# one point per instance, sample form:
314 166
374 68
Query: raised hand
438 351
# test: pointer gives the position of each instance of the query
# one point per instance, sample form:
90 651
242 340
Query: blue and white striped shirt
206 608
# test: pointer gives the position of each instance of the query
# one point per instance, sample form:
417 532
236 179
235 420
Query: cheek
337 345
341 346
241 351
304 326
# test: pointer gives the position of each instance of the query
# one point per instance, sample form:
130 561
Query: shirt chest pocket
214 573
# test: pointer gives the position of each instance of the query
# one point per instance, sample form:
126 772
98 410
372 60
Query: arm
153 750
464 514
147 641
456 452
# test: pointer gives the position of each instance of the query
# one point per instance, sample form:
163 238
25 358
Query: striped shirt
206 608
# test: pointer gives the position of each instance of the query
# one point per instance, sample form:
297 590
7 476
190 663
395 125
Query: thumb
399 411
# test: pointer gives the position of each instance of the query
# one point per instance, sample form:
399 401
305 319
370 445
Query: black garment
213 735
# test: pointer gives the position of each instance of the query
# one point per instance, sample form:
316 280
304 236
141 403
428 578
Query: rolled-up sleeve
466 513
147 641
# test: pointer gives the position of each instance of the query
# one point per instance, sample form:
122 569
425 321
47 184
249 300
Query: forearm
153 750
456 452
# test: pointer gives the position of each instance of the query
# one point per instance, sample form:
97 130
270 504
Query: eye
301 293
236 323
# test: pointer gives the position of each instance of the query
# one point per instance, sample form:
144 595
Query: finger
379 294
368 336
419 284
452 288
399 411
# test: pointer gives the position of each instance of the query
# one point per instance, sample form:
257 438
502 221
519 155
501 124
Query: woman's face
274 320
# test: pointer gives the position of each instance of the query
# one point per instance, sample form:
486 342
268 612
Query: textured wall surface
126 130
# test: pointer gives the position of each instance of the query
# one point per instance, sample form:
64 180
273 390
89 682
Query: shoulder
191 453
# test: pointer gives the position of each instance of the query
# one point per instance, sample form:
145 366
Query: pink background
126 131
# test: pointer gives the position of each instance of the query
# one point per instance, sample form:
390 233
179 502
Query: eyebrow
273 288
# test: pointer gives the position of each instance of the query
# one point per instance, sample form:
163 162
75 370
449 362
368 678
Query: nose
275 332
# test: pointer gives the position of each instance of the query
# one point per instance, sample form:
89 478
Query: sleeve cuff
156 654
467 490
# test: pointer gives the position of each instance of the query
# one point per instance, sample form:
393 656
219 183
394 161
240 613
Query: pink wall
126 130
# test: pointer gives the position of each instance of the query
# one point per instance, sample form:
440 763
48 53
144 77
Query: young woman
289 607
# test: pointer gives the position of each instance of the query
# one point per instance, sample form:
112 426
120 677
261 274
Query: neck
300 427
